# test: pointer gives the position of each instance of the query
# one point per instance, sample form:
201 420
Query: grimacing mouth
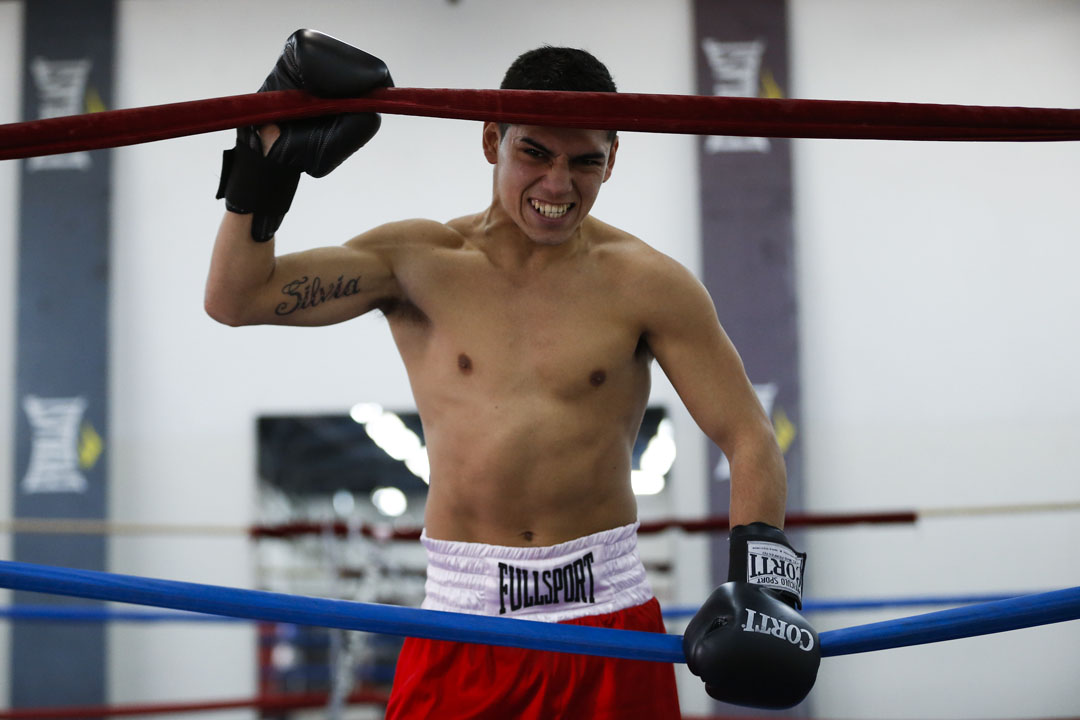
551 210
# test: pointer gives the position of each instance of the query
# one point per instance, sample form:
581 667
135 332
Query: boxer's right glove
322 66
747 642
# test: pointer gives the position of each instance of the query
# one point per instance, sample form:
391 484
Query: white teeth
551 211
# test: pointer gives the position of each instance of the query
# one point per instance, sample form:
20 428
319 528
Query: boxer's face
547 179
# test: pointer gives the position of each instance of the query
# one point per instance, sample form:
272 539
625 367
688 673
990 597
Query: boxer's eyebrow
535 145
586 157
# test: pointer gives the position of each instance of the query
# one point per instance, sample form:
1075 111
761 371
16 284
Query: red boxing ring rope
720 523
693 114
388 531
717 523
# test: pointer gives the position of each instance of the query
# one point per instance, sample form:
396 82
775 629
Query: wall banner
747 236
61 351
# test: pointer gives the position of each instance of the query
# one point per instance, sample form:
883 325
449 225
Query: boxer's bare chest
564 329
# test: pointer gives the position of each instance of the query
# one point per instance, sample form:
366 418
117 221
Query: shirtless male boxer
527 331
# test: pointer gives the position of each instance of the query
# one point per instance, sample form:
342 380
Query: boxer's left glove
322 66
761 555
747 642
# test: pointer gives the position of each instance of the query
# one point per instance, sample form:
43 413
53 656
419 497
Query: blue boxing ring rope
979 619
811 606
93 613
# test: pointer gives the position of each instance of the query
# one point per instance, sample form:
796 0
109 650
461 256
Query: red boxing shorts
597 581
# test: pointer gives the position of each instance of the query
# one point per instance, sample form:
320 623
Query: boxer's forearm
239 269
758 480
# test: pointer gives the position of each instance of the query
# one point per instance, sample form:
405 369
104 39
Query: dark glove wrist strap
760 554
252 183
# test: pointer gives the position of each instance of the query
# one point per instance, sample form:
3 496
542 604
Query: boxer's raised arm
248 285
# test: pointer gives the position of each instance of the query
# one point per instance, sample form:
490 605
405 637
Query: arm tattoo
303 293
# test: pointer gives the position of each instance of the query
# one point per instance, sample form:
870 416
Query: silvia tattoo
304 294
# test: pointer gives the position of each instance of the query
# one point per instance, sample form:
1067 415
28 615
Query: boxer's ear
491 138
611 157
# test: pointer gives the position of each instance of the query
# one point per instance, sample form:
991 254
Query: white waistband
591 575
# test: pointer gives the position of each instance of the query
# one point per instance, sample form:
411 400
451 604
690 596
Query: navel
464 363
597 378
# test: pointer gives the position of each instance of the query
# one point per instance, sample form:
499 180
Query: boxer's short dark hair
558 68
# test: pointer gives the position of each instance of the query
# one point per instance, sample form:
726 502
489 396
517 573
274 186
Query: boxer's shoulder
404 239
634 263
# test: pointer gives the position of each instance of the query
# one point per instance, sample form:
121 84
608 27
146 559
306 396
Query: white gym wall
936 293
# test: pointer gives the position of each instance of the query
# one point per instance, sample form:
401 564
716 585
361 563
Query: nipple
597 378
464 363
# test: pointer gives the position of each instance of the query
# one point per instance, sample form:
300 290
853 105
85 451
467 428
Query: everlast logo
762 623
524 588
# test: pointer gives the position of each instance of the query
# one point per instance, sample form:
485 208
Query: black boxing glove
747 642
752 649
761 555
322 66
